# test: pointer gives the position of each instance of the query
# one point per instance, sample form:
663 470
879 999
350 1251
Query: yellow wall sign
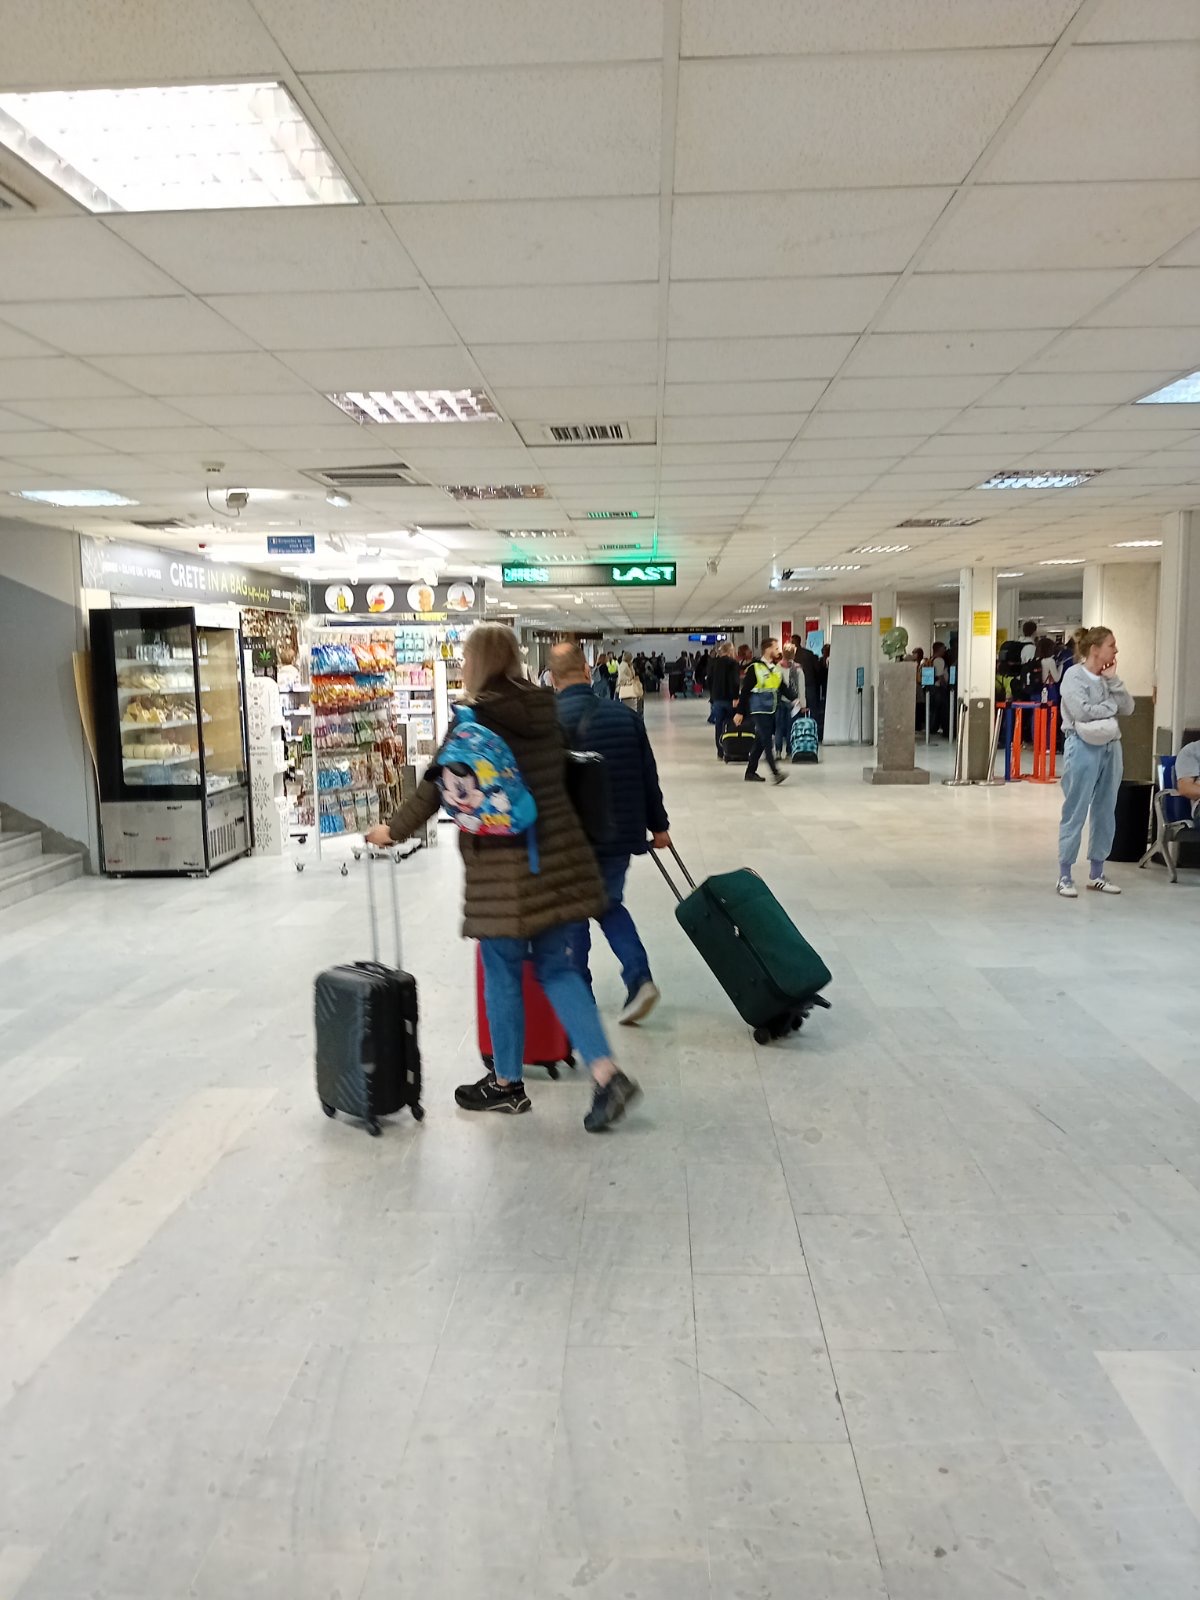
886 624
981 624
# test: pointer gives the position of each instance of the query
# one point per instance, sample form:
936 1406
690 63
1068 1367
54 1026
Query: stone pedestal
896 712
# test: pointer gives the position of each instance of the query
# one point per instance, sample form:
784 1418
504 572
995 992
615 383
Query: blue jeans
618 928
1090 777
503 964
783 726
721 715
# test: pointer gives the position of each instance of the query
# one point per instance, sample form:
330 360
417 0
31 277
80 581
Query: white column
1007 617
916 617
1177 663
976 667
1123 596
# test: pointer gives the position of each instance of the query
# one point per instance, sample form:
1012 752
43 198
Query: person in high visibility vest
614 667
763 685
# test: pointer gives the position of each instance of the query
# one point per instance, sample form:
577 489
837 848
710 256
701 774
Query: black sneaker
609 1103
754 777
488 1095
779 777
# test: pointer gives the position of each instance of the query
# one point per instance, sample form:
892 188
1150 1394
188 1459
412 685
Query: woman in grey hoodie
1092 698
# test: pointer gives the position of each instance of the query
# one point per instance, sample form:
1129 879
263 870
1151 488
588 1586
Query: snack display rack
358 746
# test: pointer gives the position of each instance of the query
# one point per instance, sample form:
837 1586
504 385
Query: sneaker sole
512 1108
629 1017
635 1093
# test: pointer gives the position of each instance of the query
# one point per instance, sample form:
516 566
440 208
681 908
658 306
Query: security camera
237 499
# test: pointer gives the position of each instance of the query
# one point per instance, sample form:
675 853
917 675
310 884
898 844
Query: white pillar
976 667
1123 596
1177 664
916 618
1007 617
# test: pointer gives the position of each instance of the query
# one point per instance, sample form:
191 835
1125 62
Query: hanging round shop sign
339 597
460 597
380 597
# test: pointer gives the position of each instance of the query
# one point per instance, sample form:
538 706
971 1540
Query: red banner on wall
856 616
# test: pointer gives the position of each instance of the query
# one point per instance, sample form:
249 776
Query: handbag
1103 731
587 780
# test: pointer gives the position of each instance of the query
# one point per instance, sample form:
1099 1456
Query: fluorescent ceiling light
939 522
851 568
1064 561
416 405
74 497
881 549
613 516
190 147
1138 544
536 533
947 585
1010 574
496 491
1183 392
1049 478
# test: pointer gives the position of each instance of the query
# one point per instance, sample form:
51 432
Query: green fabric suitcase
752 947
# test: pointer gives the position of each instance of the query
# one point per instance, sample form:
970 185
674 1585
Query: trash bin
1133 821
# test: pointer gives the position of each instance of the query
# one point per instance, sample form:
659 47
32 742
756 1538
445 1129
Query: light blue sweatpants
1090 775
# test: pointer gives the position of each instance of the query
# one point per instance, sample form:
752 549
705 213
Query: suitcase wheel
328 1109
762 1035
373 1128
551 1069
418 1112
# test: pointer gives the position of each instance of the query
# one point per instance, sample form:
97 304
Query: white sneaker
1102 886
1067 889
640 1003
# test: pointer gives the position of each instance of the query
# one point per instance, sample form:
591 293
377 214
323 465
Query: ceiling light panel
939 522
496 491
881 549
1183 392
74 497
191 147
415 405
1138 544
1063 561
1056 478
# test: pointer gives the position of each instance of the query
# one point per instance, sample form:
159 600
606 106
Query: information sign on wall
981 624
593 574
151 574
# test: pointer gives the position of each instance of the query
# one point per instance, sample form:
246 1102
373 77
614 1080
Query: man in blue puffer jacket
619 735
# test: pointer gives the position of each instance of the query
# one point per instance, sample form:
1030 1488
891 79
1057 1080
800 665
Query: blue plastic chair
1173 820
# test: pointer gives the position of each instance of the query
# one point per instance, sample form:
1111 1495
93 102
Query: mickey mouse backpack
481 785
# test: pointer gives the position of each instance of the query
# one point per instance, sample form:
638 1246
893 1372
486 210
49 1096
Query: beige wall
1123 596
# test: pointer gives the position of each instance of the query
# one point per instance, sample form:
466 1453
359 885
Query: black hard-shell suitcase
368 1056
675 684
737 744
752 947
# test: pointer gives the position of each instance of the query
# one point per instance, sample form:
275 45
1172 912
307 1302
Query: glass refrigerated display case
170 741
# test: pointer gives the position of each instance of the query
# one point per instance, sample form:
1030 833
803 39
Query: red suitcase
546 1042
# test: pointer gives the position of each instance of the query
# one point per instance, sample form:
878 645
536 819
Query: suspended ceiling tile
775 307
1109 111
338 320
885 423
224 410
246 372
373 34
42 443
500 242
811 448
576 403
525 132
1163 297
11 422
719 429
682 455
1016 419
927 354
1117 20
150 441
290 249
1087 388
934 301
866 394
51 377
547 313
615 361
842 121
72 258
112 412
13 343
804 27
1121 349
733 360
417 367
158 325
716 399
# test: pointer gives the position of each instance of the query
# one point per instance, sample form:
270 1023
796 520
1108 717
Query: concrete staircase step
19 847
21 880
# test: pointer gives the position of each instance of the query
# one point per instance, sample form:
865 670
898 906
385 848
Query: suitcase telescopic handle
656 855
374 855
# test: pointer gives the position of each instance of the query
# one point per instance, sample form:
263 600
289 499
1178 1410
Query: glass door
221 708
157 714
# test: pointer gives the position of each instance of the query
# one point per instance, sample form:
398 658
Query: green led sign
521 575
643 574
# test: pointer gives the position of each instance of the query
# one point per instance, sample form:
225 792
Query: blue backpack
482 787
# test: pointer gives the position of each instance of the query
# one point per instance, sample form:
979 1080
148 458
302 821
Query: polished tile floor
907 1306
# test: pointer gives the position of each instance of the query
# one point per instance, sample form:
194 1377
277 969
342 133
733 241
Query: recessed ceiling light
1064 561
416 405
881 549
536 533
851 568
1048 478
939 522
613 516
74 497
496 491
1138 544
1010 574
1183 392
188 147
947 585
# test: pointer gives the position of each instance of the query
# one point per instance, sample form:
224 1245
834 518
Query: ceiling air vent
496 491
160 524
627 545
388 475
